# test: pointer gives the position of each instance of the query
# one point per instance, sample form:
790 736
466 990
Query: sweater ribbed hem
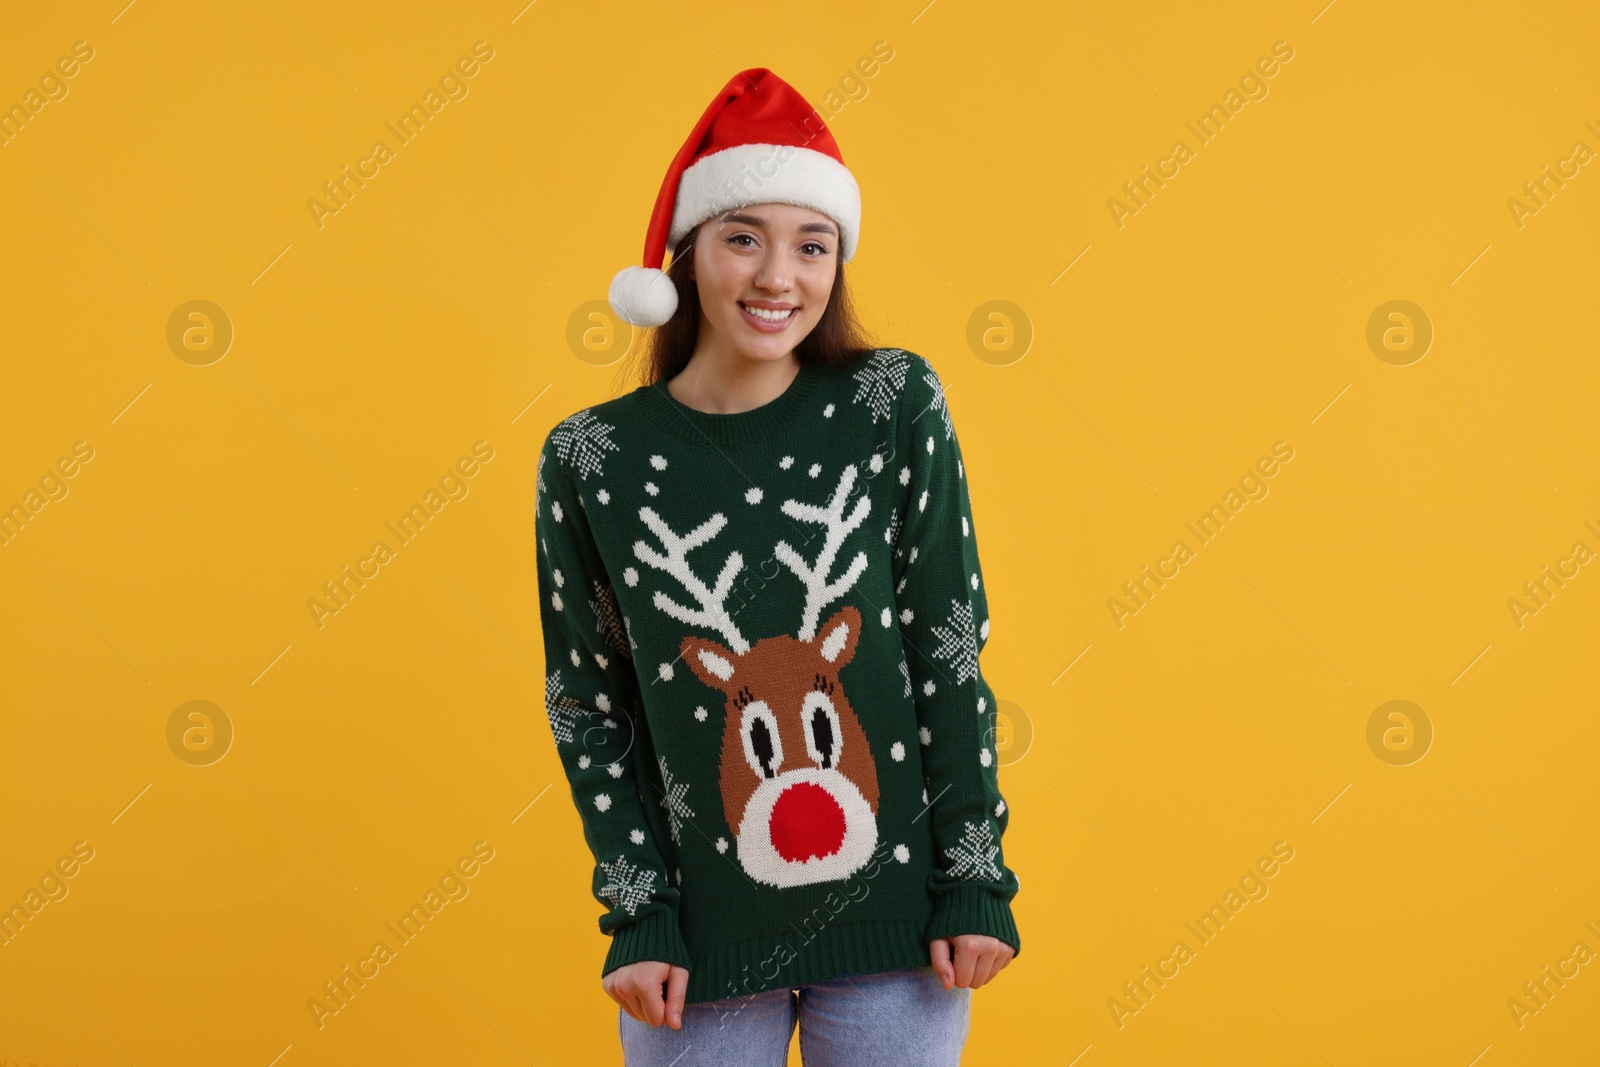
973 910
654 937
785 960
728 430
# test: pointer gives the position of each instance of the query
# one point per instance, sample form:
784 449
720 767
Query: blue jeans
906 1018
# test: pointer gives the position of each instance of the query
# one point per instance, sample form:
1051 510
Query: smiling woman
759 730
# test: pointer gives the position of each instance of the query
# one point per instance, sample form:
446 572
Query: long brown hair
838 339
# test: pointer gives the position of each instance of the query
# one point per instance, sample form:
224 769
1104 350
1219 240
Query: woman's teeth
769 316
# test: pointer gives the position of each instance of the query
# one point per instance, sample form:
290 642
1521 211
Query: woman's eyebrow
756 220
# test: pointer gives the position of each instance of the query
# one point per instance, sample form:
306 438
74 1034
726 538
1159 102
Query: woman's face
775 257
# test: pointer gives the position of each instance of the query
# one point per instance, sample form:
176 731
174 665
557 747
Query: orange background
1137 368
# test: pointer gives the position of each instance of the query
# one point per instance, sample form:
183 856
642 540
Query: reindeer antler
819 592
713 602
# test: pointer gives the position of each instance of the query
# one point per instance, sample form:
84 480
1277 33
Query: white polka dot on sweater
636 836
658 462
786 462
902 853
888 617
753 495
897 751
603 801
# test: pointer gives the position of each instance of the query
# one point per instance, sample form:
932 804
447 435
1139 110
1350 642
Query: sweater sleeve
944 623
592 701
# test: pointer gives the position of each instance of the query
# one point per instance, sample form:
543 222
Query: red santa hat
758 143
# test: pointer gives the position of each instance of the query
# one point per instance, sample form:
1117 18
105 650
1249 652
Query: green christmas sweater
761 637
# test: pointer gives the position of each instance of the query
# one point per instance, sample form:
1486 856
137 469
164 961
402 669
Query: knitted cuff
972 909
655 937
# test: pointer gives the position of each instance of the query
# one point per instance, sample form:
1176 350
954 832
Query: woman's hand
637 987
978 958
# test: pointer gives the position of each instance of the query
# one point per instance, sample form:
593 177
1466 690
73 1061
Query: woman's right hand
637 987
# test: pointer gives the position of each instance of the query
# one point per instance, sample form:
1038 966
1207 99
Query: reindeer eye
821 729
763 748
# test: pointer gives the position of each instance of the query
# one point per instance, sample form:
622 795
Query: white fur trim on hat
768 173
643 296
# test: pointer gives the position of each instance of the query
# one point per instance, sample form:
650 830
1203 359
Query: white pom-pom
643 296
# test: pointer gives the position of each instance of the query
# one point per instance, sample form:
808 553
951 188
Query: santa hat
759 142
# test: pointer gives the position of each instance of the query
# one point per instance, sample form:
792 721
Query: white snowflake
629 885
973 856
677 808
581 441
958 643
608 619
937 403
562 709
880 379
905 672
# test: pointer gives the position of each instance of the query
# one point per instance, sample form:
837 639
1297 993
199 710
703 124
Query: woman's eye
737 236
821 251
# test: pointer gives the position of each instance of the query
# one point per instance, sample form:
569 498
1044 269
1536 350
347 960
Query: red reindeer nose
806 822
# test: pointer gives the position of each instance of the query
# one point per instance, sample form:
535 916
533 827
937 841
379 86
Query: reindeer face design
798 781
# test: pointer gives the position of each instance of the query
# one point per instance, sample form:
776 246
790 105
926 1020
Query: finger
939 953
677 988
652 1004
965 958
983 968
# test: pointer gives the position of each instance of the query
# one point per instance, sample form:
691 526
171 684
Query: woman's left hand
978 958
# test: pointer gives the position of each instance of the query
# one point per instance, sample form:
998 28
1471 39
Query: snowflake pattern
628 886
677 808
974 855
937 404
539 488
608 619
958 641
562 709
879 381
582 441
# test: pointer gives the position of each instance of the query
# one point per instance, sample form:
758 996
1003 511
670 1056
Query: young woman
762 611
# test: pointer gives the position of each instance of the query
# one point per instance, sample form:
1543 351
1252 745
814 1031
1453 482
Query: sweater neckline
729 429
